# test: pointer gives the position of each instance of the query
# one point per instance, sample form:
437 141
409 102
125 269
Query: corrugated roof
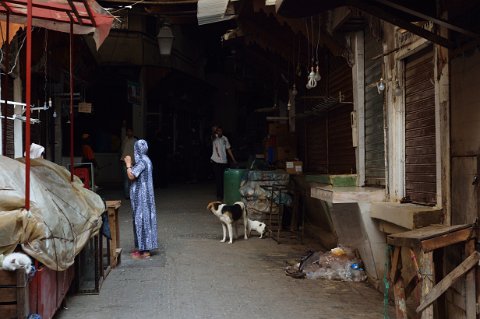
211 11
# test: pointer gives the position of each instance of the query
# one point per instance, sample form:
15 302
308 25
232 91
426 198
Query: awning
211 11
87 16
72 16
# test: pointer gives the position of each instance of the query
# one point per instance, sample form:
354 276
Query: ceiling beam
154 2
385 15
299 26
440 22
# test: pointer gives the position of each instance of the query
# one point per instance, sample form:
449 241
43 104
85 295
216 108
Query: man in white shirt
220 148
127 149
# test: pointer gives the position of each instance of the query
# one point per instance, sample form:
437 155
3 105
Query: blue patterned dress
142 200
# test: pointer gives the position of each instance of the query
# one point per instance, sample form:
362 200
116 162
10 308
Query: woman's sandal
136 255
146 254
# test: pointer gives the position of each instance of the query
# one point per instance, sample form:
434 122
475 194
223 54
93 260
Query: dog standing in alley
229 216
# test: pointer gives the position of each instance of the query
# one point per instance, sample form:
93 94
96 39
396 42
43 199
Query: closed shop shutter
420 153
8 125
317 151
341 153
328 136
374 132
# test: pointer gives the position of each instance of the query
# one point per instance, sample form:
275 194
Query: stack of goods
257 193
280 145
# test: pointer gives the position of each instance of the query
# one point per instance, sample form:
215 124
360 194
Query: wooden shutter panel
420 152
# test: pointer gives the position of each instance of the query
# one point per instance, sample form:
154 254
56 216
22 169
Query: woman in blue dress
143 201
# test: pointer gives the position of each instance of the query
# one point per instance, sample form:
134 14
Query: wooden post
396 260
427 282
22 294
400 300
113 208
470 295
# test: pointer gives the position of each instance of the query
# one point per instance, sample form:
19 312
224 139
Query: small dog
16 261
257 226
229 215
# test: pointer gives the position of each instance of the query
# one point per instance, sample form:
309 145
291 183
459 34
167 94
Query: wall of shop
465 152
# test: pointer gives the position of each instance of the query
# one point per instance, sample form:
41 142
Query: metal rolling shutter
8 125
328 140
374 133
317 150
420 159
341 153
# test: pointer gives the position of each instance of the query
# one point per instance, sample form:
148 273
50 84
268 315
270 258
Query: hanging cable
45 71
311 82
308 43
317 71
299 69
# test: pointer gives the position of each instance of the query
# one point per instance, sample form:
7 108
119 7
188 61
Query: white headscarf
36 150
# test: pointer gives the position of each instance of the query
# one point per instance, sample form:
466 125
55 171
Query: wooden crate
115 250
13 294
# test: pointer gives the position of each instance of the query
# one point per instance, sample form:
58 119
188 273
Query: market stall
44 208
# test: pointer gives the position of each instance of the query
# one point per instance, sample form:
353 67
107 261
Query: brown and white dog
229 215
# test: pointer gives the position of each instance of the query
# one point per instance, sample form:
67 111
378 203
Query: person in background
143 201
88 156
220 148
127 150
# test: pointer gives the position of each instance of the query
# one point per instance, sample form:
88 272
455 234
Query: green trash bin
232 178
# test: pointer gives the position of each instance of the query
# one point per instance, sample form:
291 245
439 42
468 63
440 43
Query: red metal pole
28 77
71 100
5 88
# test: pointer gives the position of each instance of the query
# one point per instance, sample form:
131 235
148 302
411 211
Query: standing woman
143 201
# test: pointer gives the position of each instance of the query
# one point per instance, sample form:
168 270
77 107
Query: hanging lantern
165 39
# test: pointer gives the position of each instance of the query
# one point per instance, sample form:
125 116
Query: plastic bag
340 263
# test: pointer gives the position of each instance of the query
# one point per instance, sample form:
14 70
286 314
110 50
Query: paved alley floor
193 275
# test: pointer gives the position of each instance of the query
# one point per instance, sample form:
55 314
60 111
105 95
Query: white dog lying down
229 215
16 261
257 226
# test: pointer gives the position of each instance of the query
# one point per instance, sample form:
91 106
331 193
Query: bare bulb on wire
380 86
311 83
318 77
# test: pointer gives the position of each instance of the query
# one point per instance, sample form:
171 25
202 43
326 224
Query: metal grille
420 153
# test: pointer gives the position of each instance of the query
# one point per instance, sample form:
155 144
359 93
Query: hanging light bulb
299 70
318 77
294 90
398 89
289 105
311 79
380 86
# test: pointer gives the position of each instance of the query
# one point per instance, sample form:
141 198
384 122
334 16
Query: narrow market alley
193 275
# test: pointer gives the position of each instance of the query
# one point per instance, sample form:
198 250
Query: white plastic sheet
62 216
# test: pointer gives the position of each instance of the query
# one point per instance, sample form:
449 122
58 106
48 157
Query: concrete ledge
335 195
409 216
343 180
